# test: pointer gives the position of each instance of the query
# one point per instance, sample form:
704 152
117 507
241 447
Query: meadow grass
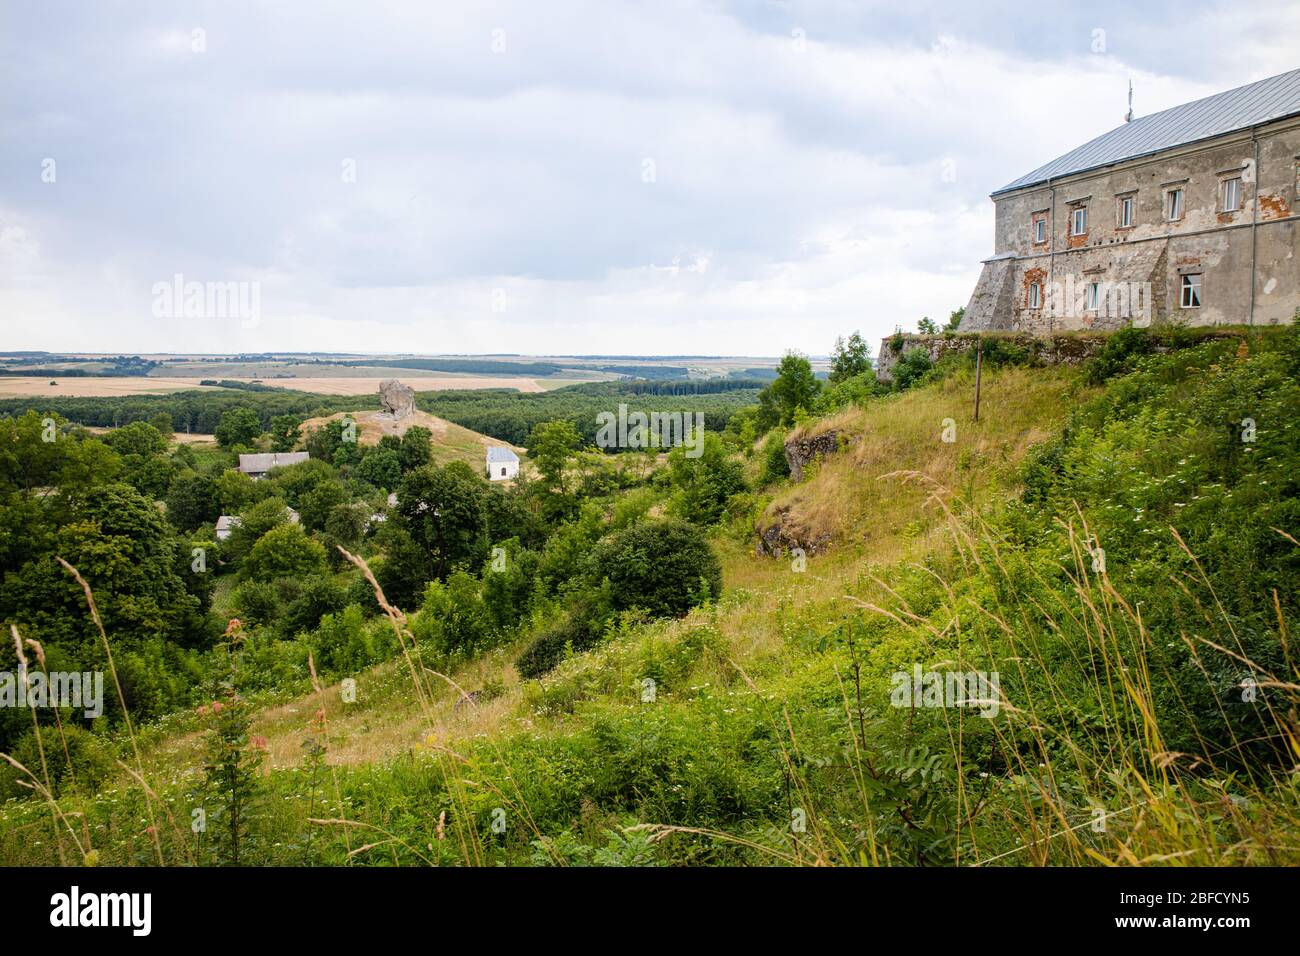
770 736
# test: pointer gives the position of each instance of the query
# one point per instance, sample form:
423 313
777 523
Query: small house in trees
256 466
502 463
228 523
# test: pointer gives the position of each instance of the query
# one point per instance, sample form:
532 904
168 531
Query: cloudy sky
551 178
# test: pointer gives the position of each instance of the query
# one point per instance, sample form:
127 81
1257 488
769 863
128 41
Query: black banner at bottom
216 906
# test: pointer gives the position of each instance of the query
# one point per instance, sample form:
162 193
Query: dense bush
703 485
776 465
911 367
92 762
580 630
665 567
345 643
454 618
1187 470
284 552
256 603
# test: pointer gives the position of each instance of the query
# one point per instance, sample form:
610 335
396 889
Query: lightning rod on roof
1128 117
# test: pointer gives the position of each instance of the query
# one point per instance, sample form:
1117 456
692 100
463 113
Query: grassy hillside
450 442
848 499
1109 546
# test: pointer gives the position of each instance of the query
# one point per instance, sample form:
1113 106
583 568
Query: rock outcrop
780 538
801 452
396 399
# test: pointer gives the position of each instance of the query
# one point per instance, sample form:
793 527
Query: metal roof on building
260 464
1263 101
497 454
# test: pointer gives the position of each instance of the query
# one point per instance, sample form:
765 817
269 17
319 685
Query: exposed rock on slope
802 451
782 536
858 494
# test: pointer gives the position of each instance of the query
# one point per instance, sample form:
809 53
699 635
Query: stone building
1187 215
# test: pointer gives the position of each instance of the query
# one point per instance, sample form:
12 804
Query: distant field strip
94 387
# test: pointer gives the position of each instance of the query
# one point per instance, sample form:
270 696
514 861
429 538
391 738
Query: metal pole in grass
979 363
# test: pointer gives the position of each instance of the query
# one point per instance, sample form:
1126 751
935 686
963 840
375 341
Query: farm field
369 384
180 438
95 387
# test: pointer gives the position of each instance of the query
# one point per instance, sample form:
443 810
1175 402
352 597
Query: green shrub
665 567
284 552
580 630
702 486
317 597
362 593
343 644
775 464
256 603
911 367
453 618
509 583
91 766
1117 355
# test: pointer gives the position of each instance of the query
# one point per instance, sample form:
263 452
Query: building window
1039 230
1231 194
1174 205
1191 297
1094 296
1035 295
1126 205
1079 221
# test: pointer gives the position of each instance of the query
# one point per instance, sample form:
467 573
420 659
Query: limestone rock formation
396 399
801 452
782 536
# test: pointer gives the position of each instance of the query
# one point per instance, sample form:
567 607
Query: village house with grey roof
257 465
